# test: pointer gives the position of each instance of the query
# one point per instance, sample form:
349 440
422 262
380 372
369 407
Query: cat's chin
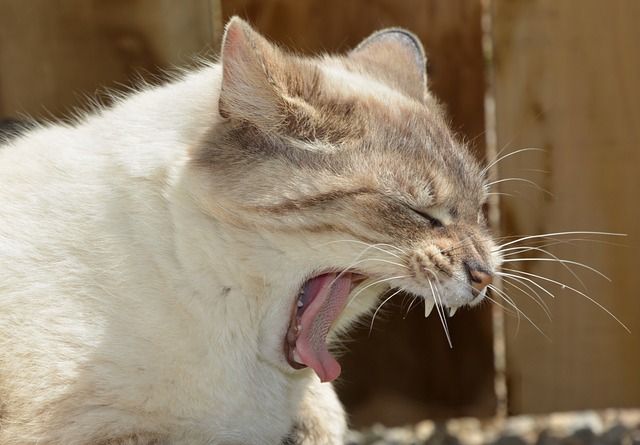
319 303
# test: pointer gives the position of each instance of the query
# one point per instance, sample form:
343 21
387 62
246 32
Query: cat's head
345 172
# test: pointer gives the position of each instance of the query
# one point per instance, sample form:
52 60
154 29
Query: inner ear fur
251 88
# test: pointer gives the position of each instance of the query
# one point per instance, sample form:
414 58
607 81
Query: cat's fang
452 311
428 307
296 357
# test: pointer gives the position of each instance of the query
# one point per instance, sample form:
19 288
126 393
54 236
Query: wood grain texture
566 82
404 371
54 53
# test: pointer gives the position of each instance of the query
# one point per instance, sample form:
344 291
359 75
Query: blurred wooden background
566 81
563 78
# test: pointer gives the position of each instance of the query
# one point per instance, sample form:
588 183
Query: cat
176 267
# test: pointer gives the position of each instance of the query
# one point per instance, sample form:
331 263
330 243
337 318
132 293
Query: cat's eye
435 222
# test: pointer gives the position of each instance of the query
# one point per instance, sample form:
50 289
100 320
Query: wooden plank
403 370
53 53
566 82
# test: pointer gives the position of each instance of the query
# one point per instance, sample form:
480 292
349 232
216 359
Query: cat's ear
250 91
396 57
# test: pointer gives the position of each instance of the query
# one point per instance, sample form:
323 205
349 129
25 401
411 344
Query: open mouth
320 301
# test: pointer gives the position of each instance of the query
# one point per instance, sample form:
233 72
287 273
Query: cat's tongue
324 296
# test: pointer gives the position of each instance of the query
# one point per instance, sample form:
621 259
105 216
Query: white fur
171 337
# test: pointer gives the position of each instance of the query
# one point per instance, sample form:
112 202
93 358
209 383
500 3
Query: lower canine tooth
428 307
300 303
296 357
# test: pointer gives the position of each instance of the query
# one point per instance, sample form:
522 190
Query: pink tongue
328 295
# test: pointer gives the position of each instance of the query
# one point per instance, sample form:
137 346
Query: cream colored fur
149 261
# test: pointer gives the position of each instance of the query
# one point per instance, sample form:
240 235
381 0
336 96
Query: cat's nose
479 277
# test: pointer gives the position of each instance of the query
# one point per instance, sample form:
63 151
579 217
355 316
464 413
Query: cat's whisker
516 194
516 179
490 165
511 195
378 246
521 314
413 300
382 260
360 260
547 236
563 286
364 260
373 283
509 301
565 263
554 258
440 309
529 291
526 181
512 251
544 243
520 278
508 310
373 318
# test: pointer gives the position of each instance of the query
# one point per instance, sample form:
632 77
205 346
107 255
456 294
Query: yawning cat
175 267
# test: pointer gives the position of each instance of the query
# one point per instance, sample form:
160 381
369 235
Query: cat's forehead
403 143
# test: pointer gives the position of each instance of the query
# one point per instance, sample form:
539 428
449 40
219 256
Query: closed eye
435 222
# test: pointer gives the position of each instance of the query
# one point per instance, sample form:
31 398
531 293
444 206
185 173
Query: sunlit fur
151 252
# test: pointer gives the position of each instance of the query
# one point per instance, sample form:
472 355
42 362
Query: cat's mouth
320 301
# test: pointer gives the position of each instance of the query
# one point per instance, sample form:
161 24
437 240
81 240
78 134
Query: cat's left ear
396 57
252 87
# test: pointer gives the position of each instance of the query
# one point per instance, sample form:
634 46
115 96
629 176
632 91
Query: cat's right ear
249 90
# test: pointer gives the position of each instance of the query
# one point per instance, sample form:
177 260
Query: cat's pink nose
480 279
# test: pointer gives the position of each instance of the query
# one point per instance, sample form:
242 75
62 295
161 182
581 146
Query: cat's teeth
452 311
300 303
296 357
428 307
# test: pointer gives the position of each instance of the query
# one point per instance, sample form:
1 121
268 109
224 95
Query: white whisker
530 292
511 303
526 181
564 286
378 246
549 235
561 261
440 310
555 258
526 279
508 155
373 283
413 298
506 309
373 318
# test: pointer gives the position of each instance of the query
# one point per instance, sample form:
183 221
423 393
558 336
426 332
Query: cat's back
58 180
84 213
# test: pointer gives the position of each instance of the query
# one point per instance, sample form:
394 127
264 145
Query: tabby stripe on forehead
293 205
